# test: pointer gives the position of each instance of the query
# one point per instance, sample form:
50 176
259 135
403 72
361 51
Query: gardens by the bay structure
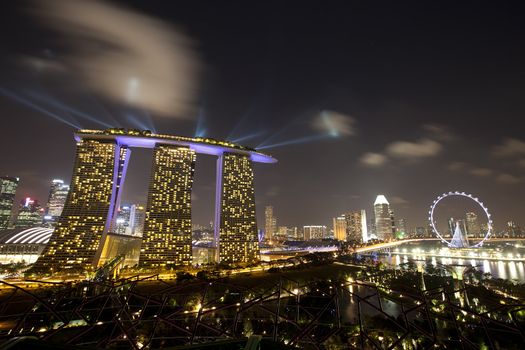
362 308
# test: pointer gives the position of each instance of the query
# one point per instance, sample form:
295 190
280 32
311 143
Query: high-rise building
167 233
137 219
56 201
30 214
290 233
236 213
294 234
340 228
282 232
473 229
421 232
130 220
356 227
91 210
122 223
314 232
8 186
86 218
512 230
364 226
401 228
384 226
270 223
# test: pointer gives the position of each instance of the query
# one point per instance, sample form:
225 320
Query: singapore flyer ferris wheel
459 238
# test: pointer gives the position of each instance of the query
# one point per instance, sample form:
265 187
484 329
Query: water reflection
512 270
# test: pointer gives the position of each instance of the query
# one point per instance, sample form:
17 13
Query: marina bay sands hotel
99 173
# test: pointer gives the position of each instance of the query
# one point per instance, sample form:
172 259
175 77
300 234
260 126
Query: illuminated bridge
102 157
386 245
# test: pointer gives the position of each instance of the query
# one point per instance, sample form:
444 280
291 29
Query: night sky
354 98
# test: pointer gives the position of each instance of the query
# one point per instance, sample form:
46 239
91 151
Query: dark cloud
509 148
121 54
373 159
423 148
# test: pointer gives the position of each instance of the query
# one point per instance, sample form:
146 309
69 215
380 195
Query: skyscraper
91 208
122 223
56 201
167 233
86 218
130 220
8 186
236 213
340 228
356 228
385 229
473 229
30 214
401 228
512 229
137 219
270 223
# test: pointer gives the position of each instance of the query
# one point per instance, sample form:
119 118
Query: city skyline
398 223
359 68
262 174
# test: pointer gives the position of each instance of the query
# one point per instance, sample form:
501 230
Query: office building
270 223
312 232
56 200
512 230
287 233
473 228
30 214
339 228
384 226
356 227
8 186
401 228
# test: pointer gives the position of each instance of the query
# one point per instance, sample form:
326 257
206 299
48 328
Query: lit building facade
270 227
56 201
512 230
340 228
122 223
356 227
87 213
384 225
130 220
167 233
237 229
401 228
30 214
8 186
473 228
91 209
288 233
314 232
137 219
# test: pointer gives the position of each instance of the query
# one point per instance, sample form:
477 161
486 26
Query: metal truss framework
138 312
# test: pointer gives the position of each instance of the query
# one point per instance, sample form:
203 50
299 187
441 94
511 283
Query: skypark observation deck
147 139
99 173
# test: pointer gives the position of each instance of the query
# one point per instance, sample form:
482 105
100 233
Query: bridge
385 245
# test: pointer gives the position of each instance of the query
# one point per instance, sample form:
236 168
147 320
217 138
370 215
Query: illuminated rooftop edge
147 139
